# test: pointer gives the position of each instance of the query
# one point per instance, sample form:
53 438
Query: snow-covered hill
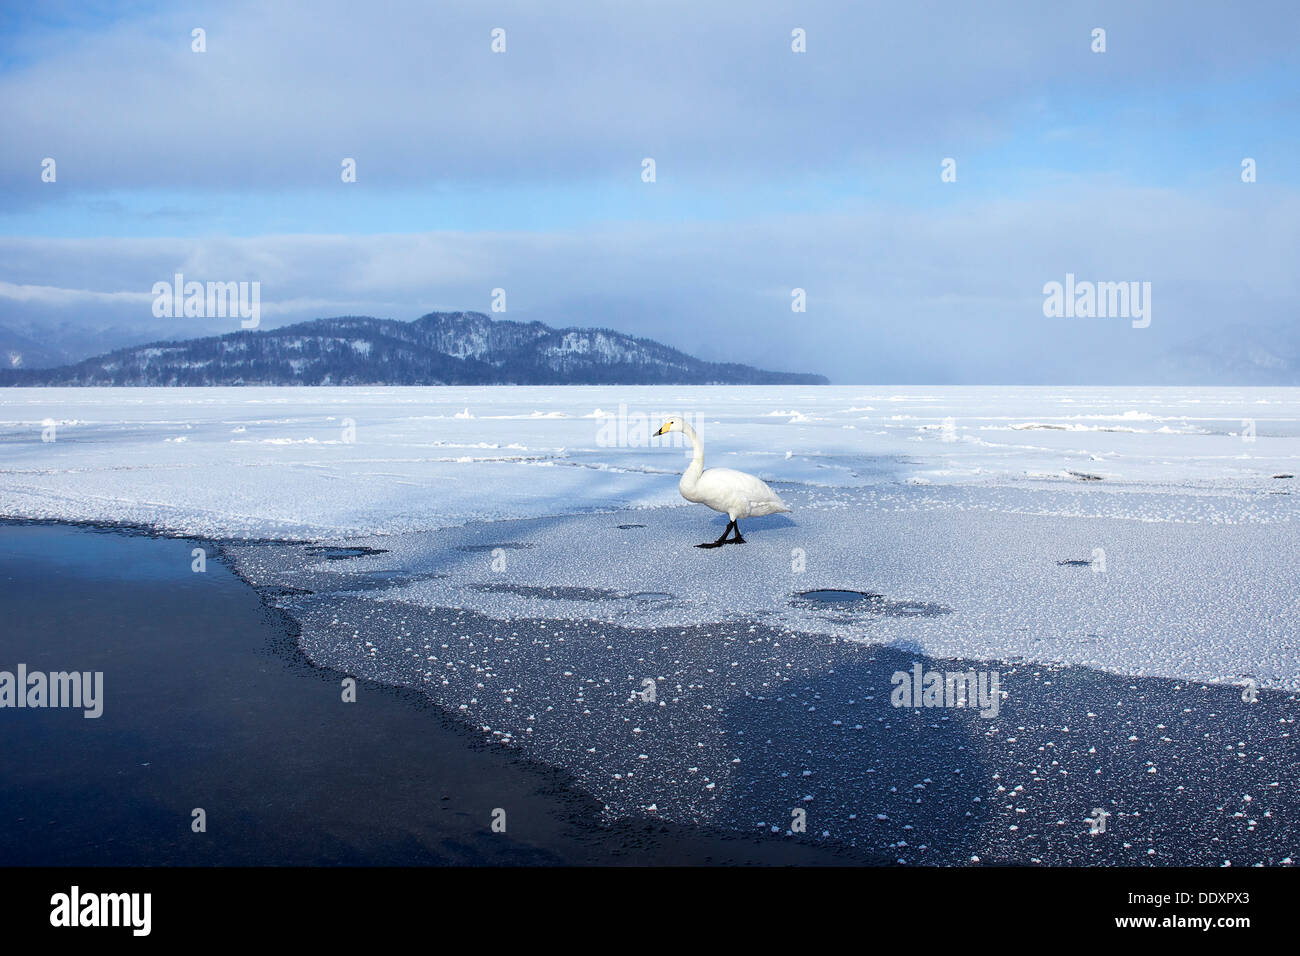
441 348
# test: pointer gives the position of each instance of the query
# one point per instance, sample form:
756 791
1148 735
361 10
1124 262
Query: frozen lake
289 462
522 556
1143 531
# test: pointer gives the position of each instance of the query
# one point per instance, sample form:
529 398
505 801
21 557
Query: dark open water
208 703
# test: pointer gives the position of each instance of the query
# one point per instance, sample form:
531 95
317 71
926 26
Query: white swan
734 493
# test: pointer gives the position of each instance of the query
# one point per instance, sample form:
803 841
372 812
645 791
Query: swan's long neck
693 470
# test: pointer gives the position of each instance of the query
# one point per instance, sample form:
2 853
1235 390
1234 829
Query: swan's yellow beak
662 428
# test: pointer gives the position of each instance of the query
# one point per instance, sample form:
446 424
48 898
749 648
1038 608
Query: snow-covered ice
309 462
969 501
522 555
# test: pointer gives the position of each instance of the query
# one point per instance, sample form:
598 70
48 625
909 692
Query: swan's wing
726 489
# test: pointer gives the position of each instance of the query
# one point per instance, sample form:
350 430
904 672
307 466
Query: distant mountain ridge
441 348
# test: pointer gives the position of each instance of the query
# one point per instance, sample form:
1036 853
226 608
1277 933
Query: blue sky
775 170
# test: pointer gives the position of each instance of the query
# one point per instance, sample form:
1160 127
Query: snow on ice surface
938 501
528 562
278 462
944 500
952 572
543 634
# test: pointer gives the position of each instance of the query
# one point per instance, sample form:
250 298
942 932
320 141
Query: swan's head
672 424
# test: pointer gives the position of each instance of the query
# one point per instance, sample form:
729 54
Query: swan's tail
768 506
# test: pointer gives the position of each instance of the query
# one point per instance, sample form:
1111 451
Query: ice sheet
525 560
292 463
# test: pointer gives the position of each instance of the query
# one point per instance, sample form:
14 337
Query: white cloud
949 293
57 296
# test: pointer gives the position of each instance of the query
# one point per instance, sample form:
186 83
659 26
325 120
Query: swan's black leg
737 539
721 541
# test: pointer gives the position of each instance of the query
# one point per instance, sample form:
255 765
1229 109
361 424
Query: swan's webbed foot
723 540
